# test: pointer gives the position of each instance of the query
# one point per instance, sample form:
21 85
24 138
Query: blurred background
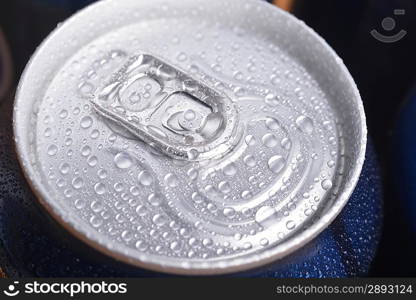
377 41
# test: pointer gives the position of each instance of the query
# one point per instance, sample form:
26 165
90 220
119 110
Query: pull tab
171 111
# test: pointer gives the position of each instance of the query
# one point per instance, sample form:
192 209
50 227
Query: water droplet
290 225
77 183
48 132
271 100
141 246
64 168
229 212
79 204
326 184
247 245
68 142
275 80
249 161
95 134
192 173
238 75
134 190
112 138
224 187
85 151
96 206
52 150
207 242
230 170
96 221
264 242
264 213
100 188
238 236
250 140
86 88
123 160
63 114
269 140
92 161
159 220
197 198
76 111
60 183
171 180
286 143
155 199
145 178
134 98
308 212
276 163
246 194
280 235
175 246
86 122
141 210
102 173
126 235
182 56
272 124
118 187
189 115
193 154
305 124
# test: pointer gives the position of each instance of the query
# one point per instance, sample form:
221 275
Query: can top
191 137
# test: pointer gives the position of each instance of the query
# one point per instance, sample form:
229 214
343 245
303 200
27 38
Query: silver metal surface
287 106
184 119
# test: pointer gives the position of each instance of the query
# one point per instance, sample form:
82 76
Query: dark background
383 72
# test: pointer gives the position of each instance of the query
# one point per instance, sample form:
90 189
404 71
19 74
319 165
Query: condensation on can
191 137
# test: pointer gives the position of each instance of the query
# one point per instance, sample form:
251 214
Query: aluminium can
191 137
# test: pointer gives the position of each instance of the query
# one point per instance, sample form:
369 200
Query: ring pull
168 109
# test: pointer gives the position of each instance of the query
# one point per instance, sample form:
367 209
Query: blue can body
34 246
404 160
